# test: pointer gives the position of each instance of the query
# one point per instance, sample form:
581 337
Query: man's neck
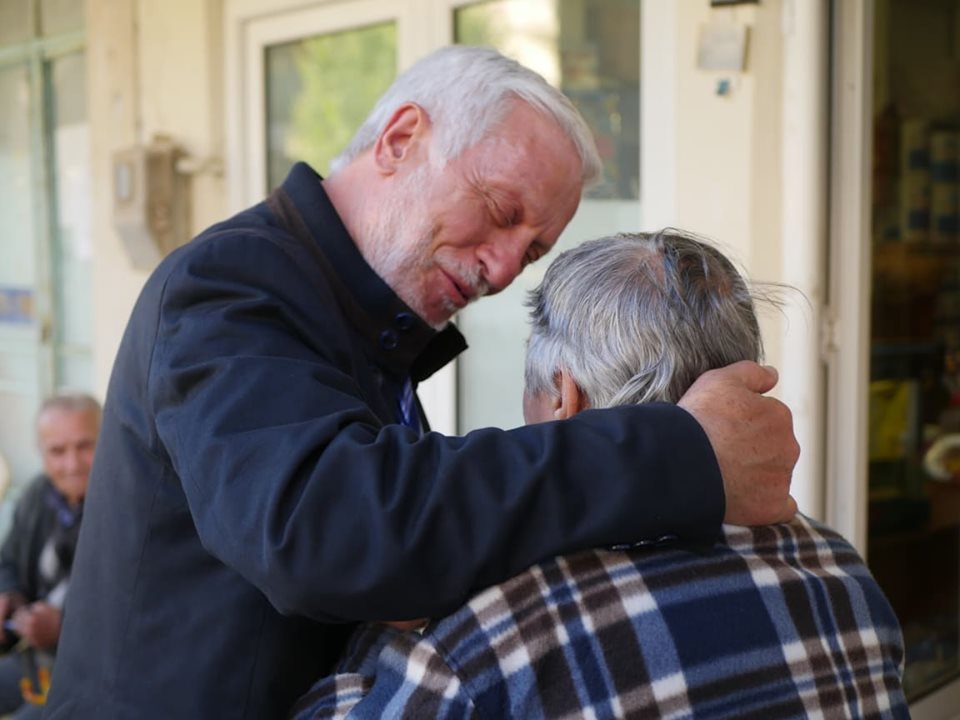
349 204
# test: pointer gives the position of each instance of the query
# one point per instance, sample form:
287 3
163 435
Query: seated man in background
770 622
37 556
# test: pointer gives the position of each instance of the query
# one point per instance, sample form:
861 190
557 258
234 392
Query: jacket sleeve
294 482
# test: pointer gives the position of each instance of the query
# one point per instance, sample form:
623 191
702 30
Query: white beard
398 246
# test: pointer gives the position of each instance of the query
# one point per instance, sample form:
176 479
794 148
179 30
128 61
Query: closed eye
504 218
503 211
534 253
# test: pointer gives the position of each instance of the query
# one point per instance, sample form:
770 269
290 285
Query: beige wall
712 163
154 67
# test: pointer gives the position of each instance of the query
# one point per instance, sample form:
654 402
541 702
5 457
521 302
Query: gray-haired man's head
637 318
67 428
468 91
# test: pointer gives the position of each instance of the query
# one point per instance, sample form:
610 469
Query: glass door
914 393
309 76
21 351
591 52
45 340
318 91
68 163
894 429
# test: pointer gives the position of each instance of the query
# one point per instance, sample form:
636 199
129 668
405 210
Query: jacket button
389 340
404 321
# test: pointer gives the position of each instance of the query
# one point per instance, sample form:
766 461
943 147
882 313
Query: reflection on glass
591 51
60 16
19 363
319 90
914 421
14 21
16 189
72 236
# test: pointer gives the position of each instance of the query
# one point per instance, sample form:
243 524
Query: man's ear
571 398
406 133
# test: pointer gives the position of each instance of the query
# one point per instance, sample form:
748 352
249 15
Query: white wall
711 163
154 67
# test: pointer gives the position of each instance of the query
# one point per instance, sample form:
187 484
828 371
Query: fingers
37 624
754 377
753 439
22 621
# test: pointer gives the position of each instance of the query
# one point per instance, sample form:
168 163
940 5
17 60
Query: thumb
754 377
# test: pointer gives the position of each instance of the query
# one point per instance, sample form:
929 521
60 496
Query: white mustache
472 278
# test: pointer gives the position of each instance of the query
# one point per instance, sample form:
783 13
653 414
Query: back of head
638 317
466 90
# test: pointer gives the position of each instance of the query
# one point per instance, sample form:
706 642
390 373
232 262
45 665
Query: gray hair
466 90
638 317
71 402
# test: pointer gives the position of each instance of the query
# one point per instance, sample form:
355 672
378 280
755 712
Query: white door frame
804 148
850 272
252 25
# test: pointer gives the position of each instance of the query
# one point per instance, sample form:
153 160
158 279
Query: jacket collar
399 339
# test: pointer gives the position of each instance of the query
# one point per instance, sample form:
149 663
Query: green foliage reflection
320 89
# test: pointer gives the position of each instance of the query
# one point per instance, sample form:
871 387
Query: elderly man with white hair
783 621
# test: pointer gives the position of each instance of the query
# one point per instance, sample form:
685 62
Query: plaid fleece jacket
774 622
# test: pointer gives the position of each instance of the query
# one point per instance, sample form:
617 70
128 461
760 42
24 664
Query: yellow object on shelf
893 414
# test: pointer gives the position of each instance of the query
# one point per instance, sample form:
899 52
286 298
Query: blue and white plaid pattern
775 622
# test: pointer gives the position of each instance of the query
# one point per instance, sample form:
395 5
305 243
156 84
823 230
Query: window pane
319 90
59 16
591 51
14 21
16 189
20 362
16 422
914 391
593 57
72 233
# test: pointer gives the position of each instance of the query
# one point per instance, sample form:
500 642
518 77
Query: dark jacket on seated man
42 517
783 621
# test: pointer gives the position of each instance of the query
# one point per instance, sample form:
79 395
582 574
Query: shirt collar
400 340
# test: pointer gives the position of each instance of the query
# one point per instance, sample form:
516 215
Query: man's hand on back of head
752 437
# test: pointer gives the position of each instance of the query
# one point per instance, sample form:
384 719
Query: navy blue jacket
252 488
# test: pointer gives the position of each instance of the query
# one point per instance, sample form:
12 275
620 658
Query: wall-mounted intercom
151 200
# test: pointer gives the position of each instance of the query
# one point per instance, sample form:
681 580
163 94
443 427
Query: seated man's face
67 439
